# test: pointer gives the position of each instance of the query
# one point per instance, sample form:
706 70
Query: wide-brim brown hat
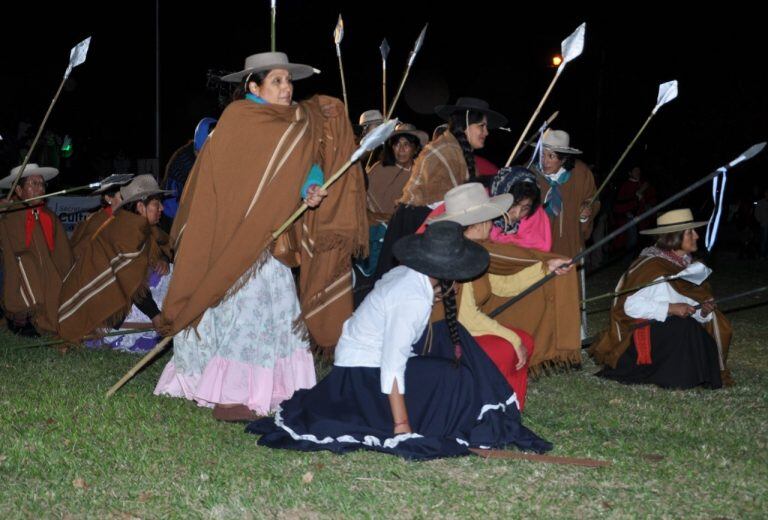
443 252
409 129
141 187
672 221
46 172
470 204
269 61
463 104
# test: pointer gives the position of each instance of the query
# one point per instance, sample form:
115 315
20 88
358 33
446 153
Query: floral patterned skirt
246 350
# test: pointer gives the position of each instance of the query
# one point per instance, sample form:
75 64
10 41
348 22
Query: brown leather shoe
234 413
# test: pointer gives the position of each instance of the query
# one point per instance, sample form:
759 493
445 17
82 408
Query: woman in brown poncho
668 334
240 344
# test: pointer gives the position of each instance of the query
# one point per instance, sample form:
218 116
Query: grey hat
470 204
370 116
141 187
558 141
269 61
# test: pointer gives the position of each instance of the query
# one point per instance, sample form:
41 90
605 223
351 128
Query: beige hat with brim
672 221
369 117
141 187
470 204
558 141
270 61
409 129
46 172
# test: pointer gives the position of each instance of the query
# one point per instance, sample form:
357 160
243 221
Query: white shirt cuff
388 378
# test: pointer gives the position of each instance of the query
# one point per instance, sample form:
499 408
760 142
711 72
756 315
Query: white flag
572 47
77 55
667 92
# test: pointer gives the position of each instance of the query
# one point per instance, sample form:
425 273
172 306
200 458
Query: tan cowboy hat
470 204
409 129
269 61
558 141
675 220
370 117
46 172
141 187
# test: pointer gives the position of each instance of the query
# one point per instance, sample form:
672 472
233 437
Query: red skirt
503 355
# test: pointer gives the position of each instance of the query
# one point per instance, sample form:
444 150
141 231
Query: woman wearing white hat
668 334
36 254
567 184
510 348
249 349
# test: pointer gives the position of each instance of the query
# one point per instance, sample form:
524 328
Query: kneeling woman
401 386
667 334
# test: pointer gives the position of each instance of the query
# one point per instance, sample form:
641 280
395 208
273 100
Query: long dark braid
457 124
451 316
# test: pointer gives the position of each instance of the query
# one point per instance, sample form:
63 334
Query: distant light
66 147
557 60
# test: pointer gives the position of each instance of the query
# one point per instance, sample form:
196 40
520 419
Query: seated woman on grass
400 385
668 334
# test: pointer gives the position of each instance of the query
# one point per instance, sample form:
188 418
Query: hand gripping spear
76 57
338 35
373 140
571 48
411 59
751 152
667 92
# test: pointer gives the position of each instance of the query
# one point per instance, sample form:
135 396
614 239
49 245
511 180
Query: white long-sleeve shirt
652 303
389 321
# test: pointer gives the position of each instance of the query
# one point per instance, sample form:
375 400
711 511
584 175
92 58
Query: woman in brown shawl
668 334
444 163
245 349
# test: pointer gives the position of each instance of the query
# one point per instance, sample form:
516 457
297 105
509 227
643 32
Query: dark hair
254 77
457 124
451 316
527 190
111 192
569 160
133 207
388 152
670 241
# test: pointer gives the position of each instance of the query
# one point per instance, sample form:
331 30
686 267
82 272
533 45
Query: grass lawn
66 451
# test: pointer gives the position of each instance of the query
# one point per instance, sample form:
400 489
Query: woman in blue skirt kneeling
400 385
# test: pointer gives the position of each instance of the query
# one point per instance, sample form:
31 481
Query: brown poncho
568 232
550 314
385 187
32 274
245 183
613 342
86 229
439 167
109 273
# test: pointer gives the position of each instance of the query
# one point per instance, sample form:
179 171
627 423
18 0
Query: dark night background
480 49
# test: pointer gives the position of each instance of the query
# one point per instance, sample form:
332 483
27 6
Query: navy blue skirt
451 407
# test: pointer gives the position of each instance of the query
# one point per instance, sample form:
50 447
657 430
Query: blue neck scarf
553 202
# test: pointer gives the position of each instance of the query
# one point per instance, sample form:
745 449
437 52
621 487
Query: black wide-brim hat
442 252
463 104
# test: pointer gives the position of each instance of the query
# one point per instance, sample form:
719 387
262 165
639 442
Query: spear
411 59
122 332
384 48
118 178
369 142
748 154
667 92
76 57
571 48
338 35
694 273
273 12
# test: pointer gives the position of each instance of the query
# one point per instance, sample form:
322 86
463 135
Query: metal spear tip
375 138
384 48
338 32
751 152
572 47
